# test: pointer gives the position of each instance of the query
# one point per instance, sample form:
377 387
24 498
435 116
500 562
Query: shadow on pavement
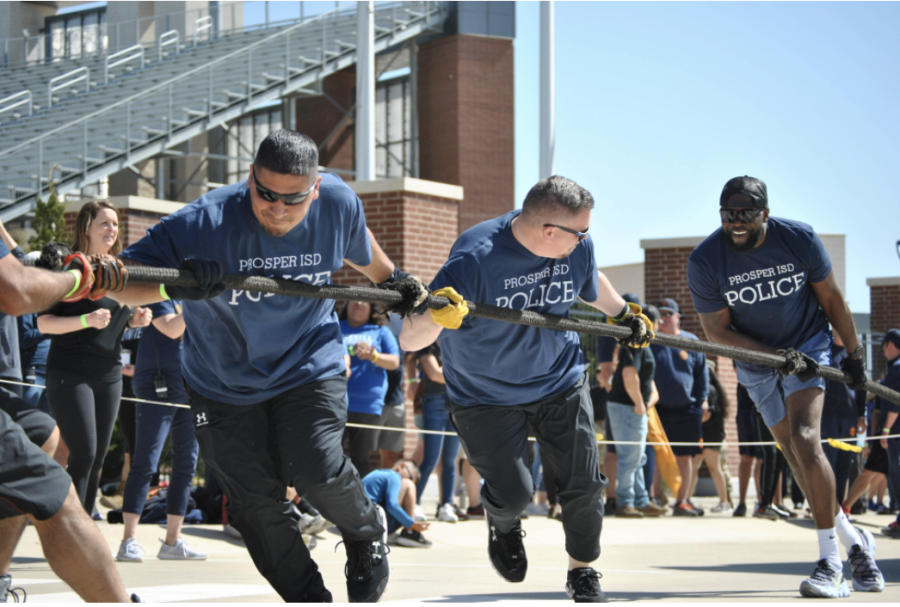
211 534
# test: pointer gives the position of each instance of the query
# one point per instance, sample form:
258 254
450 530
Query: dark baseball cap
751 187
892 336
668 305
631 298
651 312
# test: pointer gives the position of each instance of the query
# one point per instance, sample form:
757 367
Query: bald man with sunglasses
766 284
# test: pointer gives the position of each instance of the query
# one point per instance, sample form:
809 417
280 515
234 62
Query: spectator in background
158 377
682 379
395 491
393 419
84 372
373 350
606 352
633 393
876 469
437 446
751 455
714 432
34 347
840 419
891 348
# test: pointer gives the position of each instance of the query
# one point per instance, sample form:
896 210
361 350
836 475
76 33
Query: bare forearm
30 290
419 331
717 326
890 419
388 362
138 294
49 324
832 301
632 384
381 267
609 302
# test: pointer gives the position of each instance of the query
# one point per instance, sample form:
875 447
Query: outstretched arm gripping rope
258 284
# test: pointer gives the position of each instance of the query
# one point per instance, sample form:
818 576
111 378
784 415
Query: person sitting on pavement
395 491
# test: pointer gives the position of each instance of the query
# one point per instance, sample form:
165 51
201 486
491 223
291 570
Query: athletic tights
85 411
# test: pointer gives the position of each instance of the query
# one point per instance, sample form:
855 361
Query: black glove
792 367
209 281
413 290
857 368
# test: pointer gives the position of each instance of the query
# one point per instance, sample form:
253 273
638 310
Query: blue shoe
866 575
825 583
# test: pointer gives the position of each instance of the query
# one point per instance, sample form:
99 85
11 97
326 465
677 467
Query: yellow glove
640 325
450 316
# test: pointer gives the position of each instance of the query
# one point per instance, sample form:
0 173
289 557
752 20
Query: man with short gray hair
502 377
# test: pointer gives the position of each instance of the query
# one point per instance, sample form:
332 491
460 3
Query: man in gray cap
891 347
766 284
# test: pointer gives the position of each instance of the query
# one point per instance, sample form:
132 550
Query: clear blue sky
659 104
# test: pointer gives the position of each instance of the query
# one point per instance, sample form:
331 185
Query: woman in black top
84 372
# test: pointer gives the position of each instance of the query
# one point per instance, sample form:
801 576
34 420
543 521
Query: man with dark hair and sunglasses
766 284
501 378
265 374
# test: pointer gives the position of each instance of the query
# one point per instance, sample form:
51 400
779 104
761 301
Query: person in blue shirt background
34 347
265 374
157 377
373 351
502 377
766 284
682 379
395 491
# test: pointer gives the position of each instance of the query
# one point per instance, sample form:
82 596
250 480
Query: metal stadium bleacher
152 102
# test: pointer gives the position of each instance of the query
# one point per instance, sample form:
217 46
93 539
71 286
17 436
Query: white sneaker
721 507
130 552
446 514
312 525
179 552
825 583
420 514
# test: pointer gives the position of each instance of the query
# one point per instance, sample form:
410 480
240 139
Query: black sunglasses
743 215
579 235
288 199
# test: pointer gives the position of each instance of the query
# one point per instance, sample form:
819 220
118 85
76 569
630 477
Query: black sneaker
507 552
367 570
741 510
412 539
609 509
583 586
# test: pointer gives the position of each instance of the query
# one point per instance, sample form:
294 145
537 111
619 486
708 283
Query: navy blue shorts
683 426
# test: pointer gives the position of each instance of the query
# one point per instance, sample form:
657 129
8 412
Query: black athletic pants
85 411
496 442
257 451
773 465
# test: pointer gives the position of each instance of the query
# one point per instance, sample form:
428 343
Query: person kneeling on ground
395 491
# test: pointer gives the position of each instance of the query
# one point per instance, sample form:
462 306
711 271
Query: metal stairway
92 135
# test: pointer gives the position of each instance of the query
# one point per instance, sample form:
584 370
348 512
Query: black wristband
853 355
623 313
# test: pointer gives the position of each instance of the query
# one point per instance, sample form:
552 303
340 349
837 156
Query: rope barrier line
260 284
531 438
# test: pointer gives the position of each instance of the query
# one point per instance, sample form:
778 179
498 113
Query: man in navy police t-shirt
503 377
766 284
266 374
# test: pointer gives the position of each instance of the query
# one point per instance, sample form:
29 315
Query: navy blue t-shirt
682 377
158 354
368 383
892 381
767 289
606 349
488 362
242 348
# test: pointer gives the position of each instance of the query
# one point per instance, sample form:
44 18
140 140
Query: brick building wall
414 222
665 275
466 122
884 303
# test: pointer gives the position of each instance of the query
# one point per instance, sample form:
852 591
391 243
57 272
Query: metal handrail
168 38
201 25
68 79
26 98
167 85
137 51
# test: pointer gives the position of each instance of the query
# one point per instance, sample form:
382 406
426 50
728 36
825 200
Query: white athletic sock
846 532
828 548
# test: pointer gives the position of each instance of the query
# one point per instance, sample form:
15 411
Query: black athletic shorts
683 426
30 481
878 458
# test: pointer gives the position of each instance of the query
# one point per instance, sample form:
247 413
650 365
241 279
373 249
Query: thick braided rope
259 284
